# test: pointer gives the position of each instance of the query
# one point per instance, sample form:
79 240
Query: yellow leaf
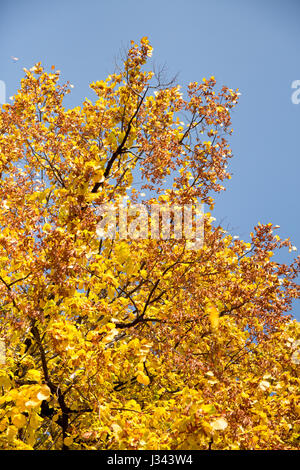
4 379
11 432
68 441
33 374
143 378
210 409
263 385
110 292
116 428
219 424
213 315
32 403
44 393
46 228
19 421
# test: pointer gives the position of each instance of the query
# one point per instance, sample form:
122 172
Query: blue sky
250 45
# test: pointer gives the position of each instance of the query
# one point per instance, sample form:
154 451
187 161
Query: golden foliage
135 344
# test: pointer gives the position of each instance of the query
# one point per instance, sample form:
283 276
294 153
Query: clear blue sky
251 45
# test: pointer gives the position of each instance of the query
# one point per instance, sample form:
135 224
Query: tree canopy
119 343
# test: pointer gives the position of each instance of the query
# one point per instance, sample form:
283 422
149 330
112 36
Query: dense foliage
135 344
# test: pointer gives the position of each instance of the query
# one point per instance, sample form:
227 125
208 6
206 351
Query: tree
118 343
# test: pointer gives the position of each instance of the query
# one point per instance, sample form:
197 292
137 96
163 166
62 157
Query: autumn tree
119 343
